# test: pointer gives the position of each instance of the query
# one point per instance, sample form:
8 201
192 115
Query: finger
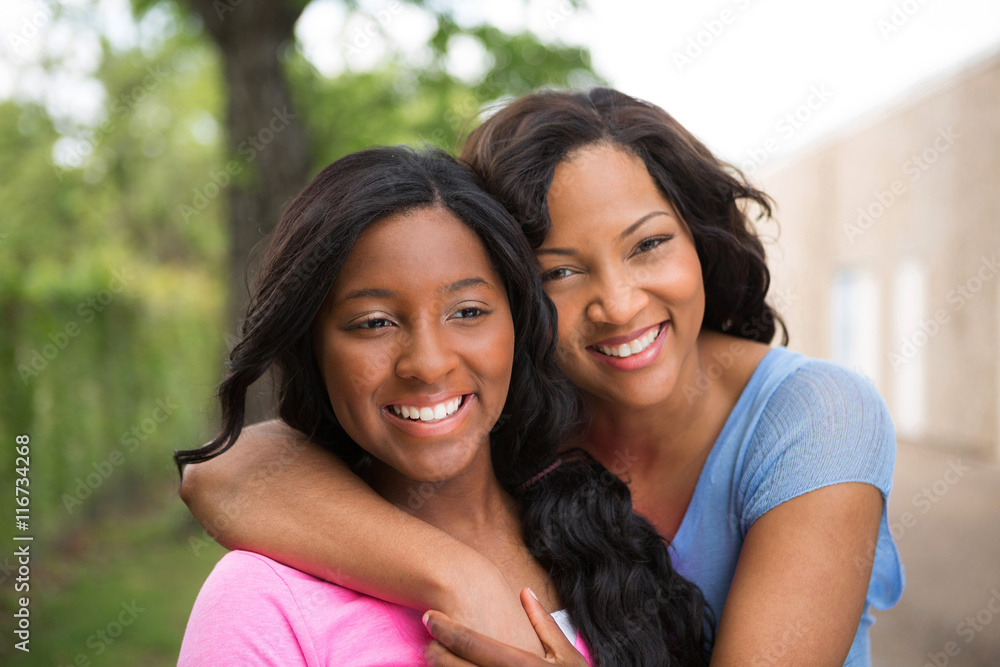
548 631
436 655
474 647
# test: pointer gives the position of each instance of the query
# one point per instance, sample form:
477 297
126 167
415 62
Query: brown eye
469 313
556 274
373 323
651 243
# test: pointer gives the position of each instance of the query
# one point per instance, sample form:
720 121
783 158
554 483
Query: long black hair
516 152
611 569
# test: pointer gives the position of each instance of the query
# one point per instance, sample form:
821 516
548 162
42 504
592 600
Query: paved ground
946 520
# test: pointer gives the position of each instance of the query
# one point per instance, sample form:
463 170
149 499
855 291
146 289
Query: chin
439 467
635 393
636 400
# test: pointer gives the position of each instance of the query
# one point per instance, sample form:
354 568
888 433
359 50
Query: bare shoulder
272 429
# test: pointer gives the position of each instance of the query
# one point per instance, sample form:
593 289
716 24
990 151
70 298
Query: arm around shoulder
277 494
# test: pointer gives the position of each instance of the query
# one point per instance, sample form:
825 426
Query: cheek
573 324
691 283
678 280
350 376
686 280
574 329
504 354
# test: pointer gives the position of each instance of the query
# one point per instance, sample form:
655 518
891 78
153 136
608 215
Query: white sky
758 61
763 63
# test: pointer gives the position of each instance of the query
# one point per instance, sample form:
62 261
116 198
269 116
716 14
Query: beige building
888 257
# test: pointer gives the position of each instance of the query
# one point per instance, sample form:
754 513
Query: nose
616 300
426 355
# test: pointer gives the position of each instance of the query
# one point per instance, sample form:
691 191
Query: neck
472 507
668 435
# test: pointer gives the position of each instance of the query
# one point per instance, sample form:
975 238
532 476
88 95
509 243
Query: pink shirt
255 611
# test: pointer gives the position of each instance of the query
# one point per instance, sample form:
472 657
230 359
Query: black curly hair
611 569
516 152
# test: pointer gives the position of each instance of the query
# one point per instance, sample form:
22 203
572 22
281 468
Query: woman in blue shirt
768 472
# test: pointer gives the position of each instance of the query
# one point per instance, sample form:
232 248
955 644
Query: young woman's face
621 267
415 343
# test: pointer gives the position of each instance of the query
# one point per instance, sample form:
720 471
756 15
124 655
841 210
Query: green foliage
110 302
399 103
113 273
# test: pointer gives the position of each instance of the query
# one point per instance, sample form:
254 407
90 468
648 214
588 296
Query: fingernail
425 618
533 594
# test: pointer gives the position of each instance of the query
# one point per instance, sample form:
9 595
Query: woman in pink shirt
400 307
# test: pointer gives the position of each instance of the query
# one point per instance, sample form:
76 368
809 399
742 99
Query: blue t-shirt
799 425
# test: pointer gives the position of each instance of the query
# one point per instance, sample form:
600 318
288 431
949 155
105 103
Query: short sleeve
244 615
823 425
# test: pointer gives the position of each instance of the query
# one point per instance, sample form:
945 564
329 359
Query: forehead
601 186
424 247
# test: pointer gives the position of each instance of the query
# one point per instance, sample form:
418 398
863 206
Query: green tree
115 246
268 145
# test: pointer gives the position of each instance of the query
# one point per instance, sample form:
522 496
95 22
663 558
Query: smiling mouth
634 346
429 414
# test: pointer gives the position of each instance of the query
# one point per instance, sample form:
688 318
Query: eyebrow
631 229
639 223
465 283
378 293
369 293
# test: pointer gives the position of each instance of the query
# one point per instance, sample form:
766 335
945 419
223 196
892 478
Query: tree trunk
268 154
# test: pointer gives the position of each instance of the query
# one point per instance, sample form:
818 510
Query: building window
855 323
906 358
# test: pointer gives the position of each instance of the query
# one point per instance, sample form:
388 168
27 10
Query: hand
477 596
457 646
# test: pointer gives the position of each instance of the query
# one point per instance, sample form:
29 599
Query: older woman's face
415 343
621 267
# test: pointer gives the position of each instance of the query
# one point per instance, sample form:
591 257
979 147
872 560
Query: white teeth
427 414
634 347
